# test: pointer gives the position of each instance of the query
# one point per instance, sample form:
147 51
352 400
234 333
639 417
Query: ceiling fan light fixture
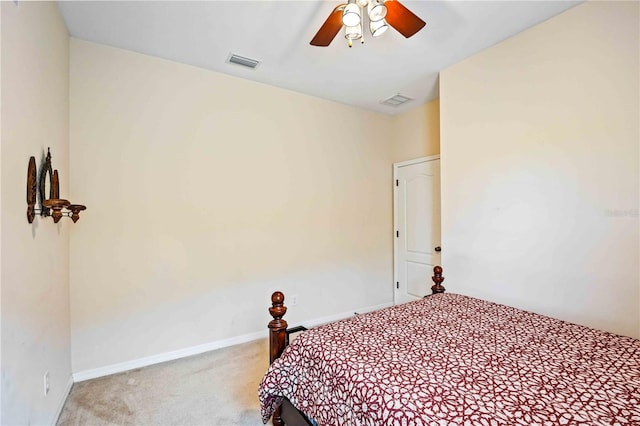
353 33
378 28
376 10
386 13
351 14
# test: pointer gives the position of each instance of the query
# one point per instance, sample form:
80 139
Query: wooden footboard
279 339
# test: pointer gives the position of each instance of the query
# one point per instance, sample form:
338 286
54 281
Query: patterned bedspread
454 360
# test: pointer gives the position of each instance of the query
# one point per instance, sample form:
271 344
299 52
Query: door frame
396 167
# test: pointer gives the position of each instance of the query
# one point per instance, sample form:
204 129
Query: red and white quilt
450 359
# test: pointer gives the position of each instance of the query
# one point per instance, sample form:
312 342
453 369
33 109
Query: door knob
438 249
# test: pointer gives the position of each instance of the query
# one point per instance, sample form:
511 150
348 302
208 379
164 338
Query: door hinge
398 284
397 234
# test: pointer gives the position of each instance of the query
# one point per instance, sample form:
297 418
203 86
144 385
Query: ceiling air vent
241 60
396 100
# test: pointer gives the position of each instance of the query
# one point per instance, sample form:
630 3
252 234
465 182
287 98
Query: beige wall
34 258
416 133
206 193
0 216
540 169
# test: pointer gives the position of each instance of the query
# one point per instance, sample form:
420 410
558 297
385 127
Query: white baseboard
94 373
337 317
166 356
65 395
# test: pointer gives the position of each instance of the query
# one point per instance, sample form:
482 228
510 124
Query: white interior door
417 220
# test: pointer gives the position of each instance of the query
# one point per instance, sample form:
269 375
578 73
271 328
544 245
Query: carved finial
277 298
437 279
277 310
75 211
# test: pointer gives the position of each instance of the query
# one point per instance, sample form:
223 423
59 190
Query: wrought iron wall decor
52 205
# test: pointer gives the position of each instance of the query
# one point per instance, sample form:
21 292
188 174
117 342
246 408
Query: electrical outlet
46 383
294 300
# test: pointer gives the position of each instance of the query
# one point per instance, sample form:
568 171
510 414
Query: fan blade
402 19
329 29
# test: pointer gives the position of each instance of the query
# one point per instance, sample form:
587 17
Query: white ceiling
204 33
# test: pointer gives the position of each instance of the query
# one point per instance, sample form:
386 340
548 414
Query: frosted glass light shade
376 10
351 15
378 28
353 32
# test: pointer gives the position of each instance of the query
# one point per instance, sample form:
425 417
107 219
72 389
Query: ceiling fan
379 12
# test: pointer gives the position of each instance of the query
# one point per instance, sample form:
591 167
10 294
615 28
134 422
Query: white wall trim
165 356
414 161
337 317
63 400
107 370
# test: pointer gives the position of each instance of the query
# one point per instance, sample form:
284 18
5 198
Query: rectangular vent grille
241 60
396 100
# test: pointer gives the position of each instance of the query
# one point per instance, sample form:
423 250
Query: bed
450 359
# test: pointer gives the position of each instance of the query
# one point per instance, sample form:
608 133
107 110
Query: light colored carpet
215 388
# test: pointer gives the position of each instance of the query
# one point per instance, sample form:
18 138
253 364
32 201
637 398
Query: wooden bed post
277 339
437 279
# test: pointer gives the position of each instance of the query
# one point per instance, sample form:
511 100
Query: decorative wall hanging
49 182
